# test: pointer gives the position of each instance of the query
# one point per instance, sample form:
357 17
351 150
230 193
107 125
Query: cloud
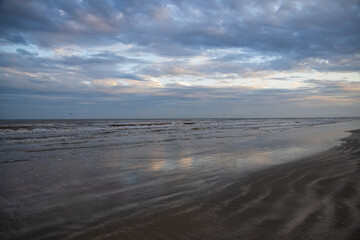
284 26
181 51
176 100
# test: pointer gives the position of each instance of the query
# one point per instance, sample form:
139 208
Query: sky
179 59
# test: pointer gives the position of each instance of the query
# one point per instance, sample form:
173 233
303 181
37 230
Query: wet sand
313 198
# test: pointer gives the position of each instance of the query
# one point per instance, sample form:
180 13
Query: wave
138 124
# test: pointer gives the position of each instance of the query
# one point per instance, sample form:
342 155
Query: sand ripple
314 198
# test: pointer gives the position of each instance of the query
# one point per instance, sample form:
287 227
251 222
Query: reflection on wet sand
186 162
263 158
157 165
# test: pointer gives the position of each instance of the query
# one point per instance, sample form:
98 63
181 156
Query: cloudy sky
198 58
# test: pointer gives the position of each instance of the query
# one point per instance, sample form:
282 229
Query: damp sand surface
313 198
236 184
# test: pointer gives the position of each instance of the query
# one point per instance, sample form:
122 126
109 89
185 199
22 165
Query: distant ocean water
47 135
60 176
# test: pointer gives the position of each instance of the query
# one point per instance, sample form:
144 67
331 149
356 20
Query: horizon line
166 118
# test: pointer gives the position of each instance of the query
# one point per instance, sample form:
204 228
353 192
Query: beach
313 198
169 119
208 194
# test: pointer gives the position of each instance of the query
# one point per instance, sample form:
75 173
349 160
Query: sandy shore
313 198
317 197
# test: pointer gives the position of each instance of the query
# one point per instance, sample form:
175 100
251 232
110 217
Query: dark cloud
100 65
104 58
306 29
335 87
25 53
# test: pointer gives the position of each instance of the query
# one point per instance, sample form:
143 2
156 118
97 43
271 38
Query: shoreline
317 197
314 197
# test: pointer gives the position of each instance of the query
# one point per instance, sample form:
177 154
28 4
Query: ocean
60 176
21 138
